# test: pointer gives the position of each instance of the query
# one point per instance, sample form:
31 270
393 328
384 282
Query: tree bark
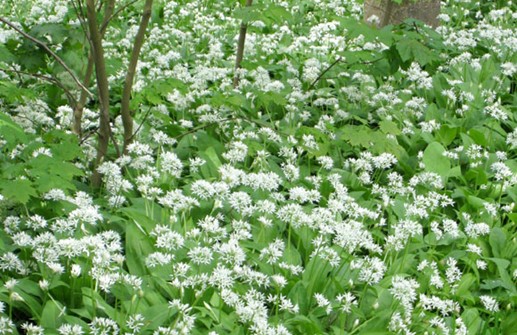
103 88
79 107
389 12
127 118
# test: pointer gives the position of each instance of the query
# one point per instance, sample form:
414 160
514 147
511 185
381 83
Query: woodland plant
353 180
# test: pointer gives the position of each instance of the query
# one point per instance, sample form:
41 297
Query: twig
240 48
142 123
49 51
46 78
323 73
107 21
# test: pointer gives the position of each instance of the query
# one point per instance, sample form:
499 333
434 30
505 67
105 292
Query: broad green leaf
472 320
435 161
412 50
389 127
52 313
18 190
497 240
92 299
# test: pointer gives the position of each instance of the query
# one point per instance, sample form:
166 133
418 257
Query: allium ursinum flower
230 252
241 202
55 194
42 152
294 270
177 201
273 252
141 155
158 258
10 262
171 164
404 290
31 329
294 215
222 277
446 307
371 269
32 115
496 111
167 239
452 273
501 171
346 302
302 195
323 302
403 231
489 303
474 230
427 179
398 325
200 255
68 329
103 326
237 152
268 181
6 326
326 162
291 171
418 77
352 235
203 189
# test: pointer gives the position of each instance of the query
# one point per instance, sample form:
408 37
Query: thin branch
323 73
45 78
107 21
49 51
142 123
240 48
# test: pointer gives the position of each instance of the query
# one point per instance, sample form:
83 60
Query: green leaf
497 240
5 55
389 127
509 324
410 49
435 161
52 312
18 190
137 248
472 320
92 299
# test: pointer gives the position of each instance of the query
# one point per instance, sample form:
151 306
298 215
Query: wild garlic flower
489 303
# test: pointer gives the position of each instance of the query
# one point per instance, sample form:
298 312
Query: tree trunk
127 118
389 12
103 88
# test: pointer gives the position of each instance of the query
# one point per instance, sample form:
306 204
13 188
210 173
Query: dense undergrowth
357 181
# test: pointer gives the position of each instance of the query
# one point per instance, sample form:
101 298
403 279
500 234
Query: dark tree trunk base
390 12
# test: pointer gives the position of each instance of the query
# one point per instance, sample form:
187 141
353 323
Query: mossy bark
390 12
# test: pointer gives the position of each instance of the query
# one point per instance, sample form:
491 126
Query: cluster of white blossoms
260 218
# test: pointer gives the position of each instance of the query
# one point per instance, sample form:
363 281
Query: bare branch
325 71
240 48
49 51
50 79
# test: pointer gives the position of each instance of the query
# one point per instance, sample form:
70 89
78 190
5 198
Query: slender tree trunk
240 47
78 110
102 86
389 12
127 118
